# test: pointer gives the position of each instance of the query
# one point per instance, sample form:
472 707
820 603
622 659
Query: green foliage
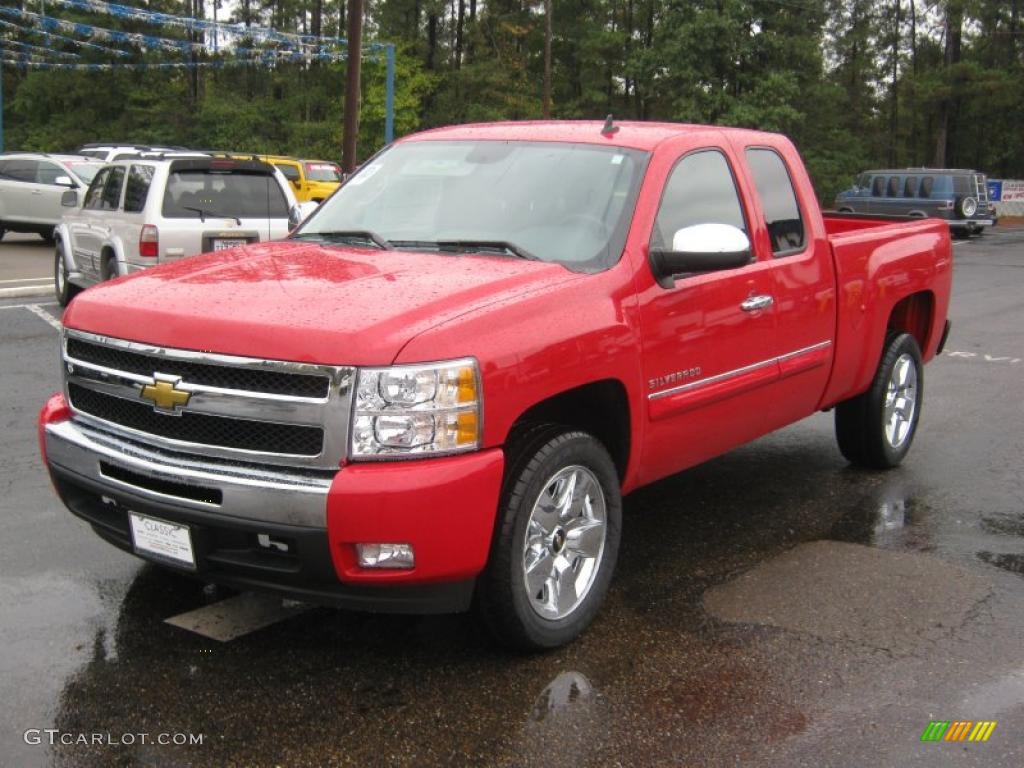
846 79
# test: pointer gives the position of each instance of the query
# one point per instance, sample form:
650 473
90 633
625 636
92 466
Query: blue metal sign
995 190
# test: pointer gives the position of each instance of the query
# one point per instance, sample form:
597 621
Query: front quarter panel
533 347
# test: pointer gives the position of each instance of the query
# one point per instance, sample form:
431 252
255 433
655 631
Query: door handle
755 303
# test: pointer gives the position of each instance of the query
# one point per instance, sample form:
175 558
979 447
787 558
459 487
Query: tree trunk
894 94
948 109
546 109
431 38
316 24
458 33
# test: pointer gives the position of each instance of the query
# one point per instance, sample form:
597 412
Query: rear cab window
782 214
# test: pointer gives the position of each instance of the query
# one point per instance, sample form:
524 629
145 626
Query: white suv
31 186
141 212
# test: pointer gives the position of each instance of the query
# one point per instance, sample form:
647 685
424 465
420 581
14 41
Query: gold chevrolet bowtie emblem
164 394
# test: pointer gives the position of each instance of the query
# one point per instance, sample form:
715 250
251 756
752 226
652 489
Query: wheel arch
914 314
109 249
600 408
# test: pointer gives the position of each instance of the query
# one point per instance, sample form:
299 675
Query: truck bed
879 259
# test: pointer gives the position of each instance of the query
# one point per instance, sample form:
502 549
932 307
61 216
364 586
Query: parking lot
772 607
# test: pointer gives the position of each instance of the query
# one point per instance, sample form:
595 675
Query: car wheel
2 233
876 429
966 206
556 540
62 287
110 267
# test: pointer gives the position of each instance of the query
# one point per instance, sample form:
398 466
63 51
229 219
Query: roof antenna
609 126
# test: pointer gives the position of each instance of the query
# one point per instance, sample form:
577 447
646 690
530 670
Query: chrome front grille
237 408
222 376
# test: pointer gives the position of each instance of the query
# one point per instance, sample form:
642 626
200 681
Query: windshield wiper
469 246
203 213
346 234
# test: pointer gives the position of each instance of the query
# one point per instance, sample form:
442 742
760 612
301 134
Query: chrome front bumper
242 491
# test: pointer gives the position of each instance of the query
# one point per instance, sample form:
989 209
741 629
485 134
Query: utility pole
355 45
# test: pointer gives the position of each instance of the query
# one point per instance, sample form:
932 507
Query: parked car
311 180
435 392
31 186
958 196
157 209
110 151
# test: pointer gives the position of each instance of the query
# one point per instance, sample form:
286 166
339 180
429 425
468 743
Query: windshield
323 172
194 194
558 202
85 171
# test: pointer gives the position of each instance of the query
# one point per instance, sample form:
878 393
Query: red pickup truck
435 392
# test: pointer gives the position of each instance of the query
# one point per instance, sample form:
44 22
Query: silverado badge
164 394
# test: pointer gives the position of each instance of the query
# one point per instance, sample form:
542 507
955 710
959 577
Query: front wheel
62 287
876 429
556 540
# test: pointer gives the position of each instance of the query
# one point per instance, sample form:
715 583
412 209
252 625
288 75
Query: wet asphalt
773 607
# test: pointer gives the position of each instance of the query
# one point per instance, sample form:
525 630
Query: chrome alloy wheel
564 542
901 401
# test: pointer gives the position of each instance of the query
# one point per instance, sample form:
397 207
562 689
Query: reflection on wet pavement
658 680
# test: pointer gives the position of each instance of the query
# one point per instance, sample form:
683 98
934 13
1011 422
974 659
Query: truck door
802 286
708 340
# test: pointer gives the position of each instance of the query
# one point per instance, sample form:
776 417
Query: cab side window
782 213
926 186
21 170
893 190
878 186
110 198
47 173
94 195
700 190
137 189
910 187
290 172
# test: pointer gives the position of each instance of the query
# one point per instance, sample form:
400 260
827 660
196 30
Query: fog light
385 555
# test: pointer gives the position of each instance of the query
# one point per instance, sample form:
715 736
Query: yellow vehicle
310 179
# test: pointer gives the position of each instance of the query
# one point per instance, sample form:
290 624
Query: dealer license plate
162 539
222 244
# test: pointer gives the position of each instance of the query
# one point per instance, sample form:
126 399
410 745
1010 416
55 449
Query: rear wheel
62 287
556 541
110 267
2 233
876 429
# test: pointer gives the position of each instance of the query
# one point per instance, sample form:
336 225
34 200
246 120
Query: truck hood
303 302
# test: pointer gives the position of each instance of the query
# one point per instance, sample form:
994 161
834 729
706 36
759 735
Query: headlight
417 410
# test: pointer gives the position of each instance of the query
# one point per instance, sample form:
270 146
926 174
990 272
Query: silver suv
141 212
31 186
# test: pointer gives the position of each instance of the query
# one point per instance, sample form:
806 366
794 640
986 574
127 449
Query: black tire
862 429
535 458
966 206
62 289
110 267
2 233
